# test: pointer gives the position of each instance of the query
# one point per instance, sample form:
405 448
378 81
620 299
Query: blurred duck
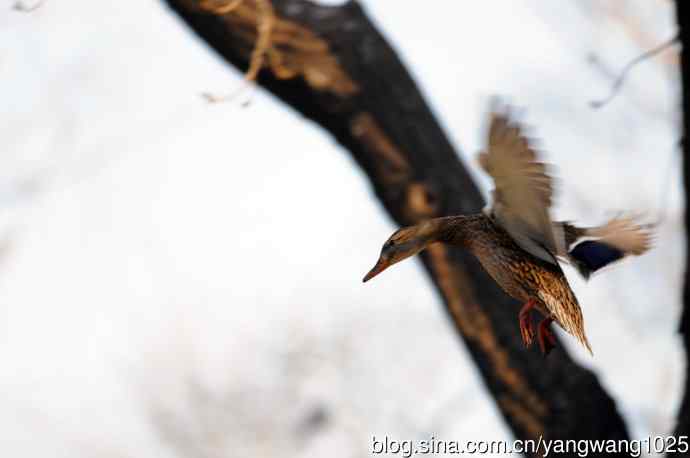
516 241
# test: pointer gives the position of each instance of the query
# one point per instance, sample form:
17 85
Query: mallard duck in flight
516 241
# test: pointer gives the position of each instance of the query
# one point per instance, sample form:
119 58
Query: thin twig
624 73
222 9
264 28
24 8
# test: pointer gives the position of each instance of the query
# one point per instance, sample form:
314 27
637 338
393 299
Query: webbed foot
545 337
526 327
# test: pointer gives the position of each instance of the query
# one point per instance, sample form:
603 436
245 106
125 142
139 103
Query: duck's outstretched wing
523 189
590 249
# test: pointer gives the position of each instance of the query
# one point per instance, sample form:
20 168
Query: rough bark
682 12
334 67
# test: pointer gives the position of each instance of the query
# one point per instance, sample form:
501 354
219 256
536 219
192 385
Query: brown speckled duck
516 241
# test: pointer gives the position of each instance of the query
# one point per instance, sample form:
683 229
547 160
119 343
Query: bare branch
264 26
618 83
19 5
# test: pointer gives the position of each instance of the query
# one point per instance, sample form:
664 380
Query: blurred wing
624 234
523 192
606 244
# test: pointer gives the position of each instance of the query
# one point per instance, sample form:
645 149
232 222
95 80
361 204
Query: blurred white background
184 279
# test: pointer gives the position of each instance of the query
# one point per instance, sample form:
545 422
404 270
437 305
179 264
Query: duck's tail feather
567 313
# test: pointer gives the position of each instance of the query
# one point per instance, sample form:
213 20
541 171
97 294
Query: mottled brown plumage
519 273
516 241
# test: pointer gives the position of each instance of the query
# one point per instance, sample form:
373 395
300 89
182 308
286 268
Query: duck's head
404 243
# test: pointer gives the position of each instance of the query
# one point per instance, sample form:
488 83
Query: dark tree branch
683 19
334 67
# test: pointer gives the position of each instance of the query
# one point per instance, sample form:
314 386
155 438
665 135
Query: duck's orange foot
545 337
526 329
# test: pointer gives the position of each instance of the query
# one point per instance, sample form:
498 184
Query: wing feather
591 249
523 188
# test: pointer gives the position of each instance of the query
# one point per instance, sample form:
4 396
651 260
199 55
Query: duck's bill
380 266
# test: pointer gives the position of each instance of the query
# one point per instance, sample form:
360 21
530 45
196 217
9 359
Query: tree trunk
682 12
333 66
